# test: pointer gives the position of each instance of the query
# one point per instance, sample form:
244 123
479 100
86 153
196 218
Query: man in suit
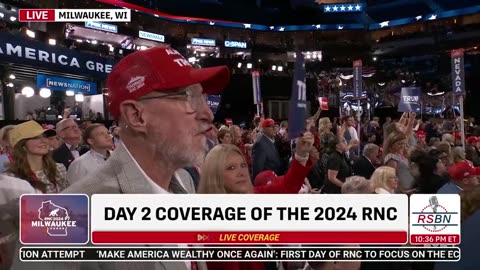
150 92
265 155
70 133
365 165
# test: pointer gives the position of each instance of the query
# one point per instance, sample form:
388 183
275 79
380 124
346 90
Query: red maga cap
158 69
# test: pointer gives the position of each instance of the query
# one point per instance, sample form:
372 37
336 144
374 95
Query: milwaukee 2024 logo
54 219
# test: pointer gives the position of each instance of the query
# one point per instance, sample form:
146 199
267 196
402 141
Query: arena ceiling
287 13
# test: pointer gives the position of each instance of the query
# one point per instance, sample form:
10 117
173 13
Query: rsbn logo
434 217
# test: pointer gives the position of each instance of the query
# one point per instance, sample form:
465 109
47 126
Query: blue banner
18 49
409 99
65 84
235 44
298 100
213 102
203 42
102 26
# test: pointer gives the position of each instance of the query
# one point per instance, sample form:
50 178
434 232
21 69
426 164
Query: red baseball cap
265 178
462 170
473 139
421 134
268 122
158 69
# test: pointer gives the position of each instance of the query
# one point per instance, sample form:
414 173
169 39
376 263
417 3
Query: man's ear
133 114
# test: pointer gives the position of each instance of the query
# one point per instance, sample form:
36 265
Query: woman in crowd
458 155
225 171
428 170
224 136
236 133
394 152
446 155
384 180
32 160
357 185
337 167
6 156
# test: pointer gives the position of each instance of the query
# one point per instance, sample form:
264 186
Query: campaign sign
55 83
323 101
409 99
434 219
213 102
357 79
54 219
298 100
458 72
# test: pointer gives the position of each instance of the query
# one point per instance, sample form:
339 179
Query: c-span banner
74 15
298 100
458 72
409 99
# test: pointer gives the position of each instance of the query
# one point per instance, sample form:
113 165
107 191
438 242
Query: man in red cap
463 177
159 102
265 154
471 150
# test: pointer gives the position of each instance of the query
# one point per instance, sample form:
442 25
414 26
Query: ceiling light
2 15
28 91
79 97
94 42
202 54
12 77
30 33
45 92
249 65
9 84
79 40
70 93
52 41
274 67
374 58
12 18
239 65
280 68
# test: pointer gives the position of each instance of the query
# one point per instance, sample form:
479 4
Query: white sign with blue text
151 36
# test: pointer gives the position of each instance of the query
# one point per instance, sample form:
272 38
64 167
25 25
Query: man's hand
304 145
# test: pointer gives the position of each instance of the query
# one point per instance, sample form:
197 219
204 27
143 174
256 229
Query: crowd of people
165 142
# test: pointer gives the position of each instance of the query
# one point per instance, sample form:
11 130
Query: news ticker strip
109 254
139 219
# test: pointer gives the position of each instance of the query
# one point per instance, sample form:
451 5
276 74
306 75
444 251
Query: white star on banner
272 27
418 17
340 27
335 8
433 17
342 8
212 23
318 26
358 7
247 25
327 9
350 7
384 24
282 29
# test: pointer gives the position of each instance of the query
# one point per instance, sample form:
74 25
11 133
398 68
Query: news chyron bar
74 15
206 227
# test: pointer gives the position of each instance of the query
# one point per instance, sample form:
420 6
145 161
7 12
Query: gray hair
357 185
370 148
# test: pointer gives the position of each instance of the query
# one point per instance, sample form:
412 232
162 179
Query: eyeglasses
193 98
70 127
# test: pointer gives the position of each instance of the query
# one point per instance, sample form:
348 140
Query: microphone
434 204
